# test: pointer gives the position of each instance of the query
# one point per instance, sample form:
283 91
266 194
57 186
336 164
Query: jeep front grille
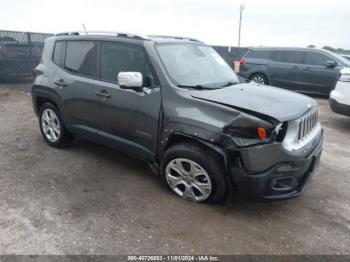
307 123
302 131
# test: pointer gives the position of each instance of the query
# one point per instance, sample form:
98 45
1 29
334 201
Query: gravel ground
88 199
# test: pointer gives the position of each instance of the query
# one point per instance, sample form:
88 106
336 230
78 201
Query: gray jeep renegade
175 103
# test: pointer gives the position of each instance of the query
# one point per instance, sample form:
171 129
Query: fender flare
46 93
203 142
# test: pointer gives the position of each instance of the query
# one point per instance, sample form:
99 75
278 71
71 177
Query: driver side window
314 58
117 58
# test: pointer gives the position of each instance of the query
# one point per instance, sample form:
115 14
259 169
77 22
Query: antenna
84 28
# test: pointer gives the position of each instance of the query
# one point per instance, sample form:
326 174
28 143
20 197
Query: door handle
60 82
103 93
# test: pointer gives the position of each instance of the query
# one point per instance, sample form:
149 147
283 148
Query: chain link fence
20 53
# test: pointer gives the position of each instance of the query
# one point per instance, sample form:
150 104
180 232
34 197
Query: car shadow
139 170
114 157
337 122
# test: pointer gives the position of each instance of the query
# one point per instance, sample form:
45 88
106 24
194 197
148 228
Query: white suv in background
340 97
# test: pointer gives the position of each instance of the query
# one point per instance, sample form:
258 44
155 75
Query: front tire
52 127
194 173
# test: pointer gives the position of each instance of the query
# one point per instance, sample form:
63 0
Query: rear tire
259 79
194 172
52 127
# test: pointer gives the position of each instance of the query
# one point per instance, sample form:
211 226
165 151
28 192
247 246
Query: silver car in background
340 97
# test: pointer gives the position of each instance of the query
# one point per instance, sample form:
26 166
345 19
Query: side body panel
284 74
318 78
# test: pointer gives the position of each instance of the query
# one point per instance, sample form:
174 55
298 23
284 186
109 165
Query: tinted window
117 58
313 58
81 58
285 56
261 54
59 52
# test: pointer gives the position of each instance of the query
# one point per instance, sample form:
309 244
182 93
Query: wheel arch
42 95
179 137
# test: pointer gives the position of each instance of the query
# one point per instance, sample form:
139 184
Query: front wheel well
181 138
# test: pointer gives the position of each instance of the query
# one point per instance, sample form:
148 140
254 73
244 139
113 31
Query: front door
316 76
128 120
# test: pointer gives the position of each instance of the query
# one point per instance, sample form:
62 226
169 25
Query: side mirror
131 80
331 63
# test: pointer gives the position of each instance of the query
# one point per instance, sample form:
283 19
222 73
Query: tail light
242 61
36 73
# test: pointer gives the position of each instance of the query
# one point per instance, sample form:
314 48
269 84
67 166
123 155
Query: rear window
260 54
286 56
58 54
81 58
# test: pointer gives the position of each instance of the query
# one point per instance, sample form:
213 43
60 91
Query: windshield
194 65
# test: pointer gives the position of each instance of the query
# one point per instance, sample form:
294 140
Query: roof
286 48
128 37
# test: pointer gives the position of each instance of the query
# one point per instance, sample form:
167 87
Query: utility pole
241 8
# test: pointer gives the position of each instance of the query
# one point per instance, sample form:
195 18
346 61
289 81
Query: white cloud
268 22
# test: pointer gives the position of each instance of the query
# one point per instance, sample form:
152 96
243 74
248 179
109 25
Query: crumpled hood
273 102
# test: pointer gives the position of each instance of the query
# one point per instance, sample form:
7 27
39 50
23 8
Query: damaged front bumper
286 178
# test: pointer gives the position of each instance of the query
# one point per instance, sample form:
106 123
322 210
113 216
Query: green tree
329 48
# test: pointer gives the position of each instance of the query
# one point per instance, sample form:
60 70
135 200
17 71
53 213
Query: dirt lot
88 199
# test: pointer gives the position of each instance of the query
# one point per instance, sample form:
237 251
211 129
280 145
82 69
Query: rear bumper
283 180
339 108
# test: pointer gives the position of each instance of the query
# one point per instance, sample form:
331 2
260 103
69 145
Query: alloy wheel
258 79
50 125
188 179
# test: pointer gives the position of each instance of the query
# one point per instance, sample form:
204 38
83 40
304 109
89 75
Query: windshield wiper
231 83
199 87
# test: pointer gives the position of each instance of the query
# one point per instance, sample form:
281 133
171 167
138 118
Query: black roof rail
105 33
67 33
175 37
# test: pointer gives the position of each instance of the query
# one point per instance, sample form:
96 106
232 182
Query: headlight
246 130
246 136
344 78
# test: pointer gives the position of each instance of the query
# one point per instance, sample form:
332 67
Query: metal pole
241 8
29 45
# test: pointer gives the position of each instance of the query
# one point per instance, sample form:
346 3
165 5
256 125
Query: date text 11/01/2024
173 258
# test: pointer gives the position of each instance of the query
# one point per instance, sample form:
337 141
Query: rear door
75 80
284 68
315 76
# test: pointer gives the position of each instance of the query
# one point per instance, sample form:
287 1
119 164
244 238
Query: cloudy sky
265 22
